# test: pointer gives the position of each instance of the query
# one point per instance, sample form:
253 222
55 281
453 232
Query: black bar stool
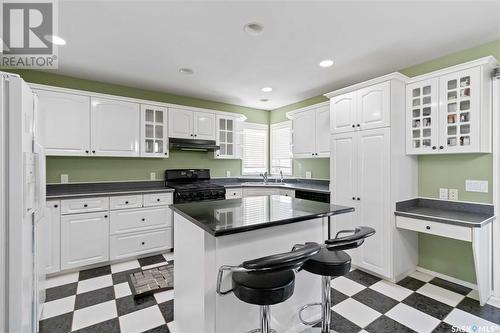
266 281
330 262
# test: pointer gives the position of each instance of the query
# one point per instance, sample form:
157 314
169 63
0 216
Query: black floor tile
57 324
94 272
375 300
94 297
128 304
411 283
385 324
341 324
428 305
159 329
488 312
446 328
167 310
363 278
151 260
337 297
121 277
450 286
108 326
65 290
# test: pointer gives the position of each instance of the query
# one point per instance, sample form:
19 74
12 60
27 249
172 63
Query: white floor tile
58 307
413 318
494 301
142 320
356 312
122 290
422 276
440 294
94 283
392 290
347 286
474 294
168 256
164 296
467 321
125 266
154 265
94 314
61 280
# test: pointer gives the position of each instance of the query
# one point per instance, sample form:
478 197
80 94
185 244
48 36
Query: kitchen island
210 234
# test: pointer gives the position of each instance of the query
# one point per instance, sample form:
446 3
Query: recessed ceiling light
264 100
186 71
267 89
326 63
55 39
253 28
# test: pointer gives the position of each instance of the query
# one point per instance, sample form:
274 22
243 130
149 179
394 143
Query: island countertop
224 217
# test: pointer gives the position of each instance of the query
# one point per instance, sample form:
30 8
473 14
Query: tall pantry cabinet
370 171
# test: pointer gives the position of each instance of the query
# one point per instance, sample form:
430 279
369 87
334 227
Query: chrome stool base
326 304
316 330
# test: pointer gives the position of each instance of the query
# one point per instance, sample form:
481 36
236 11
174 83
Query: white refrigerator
22 204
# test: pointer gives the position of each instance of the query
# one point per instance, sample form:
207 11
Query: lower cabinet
84 239
126 245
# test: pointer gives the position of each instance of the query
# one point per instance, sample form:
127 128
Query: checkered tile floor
99 300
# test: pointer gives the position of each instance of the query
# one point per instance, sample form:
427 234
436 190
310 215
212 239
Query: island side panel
233 315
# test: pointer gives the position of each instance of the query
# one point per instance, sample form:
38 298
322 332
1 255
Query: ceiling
144 43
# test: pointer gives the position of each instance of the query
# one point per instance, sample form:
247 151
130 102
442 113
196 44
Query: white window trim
284 124
266 153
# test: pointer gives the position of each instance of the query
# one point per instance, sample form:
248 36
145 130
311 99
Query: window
281 148
255 149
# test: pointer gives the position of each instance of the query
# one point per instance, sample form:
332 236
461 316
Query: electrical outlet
453 194
308 174
152 176
228 173
64 178
476 186
443 193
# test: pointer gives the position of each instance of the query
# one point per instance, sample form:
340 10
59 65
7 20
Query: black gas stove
193 185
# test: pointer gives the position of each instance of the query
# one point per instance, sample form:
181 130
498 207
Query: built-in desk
464 221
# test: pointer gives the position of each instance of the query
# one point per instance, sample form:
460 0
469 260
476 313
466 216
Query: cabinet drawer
122 246
132 220
435 228
125 201
158 199
234 193
287 193
86 205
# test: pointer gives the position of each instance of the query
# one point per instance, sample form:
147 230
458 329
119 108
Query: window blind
281 148
255 149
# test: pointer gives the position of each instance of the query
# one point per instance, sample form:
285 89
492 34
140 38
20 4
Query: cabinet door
343 113
84 239
226 136
460 111
180 123
323 132
422 117
154 141
115 127
373 175
304 144
50 238
65 123
373 106
204 125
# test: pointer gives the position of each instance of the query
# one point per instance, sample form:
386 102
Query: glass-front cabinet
228 132
154 139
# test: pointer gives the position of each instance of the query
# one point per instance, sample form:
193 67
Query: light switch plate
443 193
453 194
64 178
152 175
476 186
308 174
228 173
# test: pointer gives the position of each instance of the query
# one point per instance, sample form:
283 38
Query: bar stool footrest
309 323
257 330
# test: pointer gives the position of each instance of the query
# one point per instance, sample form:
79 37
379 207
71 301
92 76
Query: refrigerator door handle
40 181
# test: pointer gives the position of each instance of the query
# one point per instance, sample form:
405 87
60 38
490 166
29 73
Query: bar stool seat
328 263
263 288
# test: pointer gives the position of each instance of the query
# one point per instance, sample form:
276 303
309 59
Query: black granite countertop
223 217
451 212
314 185
82 190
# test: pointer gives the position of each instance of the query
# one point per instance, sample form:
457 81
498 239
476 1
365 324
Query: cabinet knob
126 202
93 151
358 125
105 216
353 125
312 154
143 219
86 151
316 154
196 135
166 153
55 206
85 205
441 147
353 198
142 243
358 198
158 199
191 134
433 147
428 227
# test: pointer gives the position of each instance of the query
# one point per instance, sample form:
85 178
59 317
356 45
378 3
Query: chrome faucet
264 176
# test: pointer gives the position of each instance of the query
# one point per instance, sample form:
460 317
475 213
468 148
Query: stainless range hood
192 144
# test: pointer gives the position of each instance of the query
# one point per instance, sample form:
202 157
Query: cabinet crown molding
357 86
291 114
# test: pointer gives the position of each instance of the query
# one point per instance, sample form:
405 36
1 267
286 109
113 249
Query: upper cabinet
362 109
310 131
154 141
115 127
228 137
188 124
449 111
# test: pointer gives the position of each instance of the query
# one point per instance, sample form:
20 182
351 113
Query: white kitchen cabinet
343 113
50 238
84 239
125 201
115 127
204 125
133 244
228 137
84 205
188 124
65 123
287 192
255 192
234 193
140 219
310 132
154 138
157 199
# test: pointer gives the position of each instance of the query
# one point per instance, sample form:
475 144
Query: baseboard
447 278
